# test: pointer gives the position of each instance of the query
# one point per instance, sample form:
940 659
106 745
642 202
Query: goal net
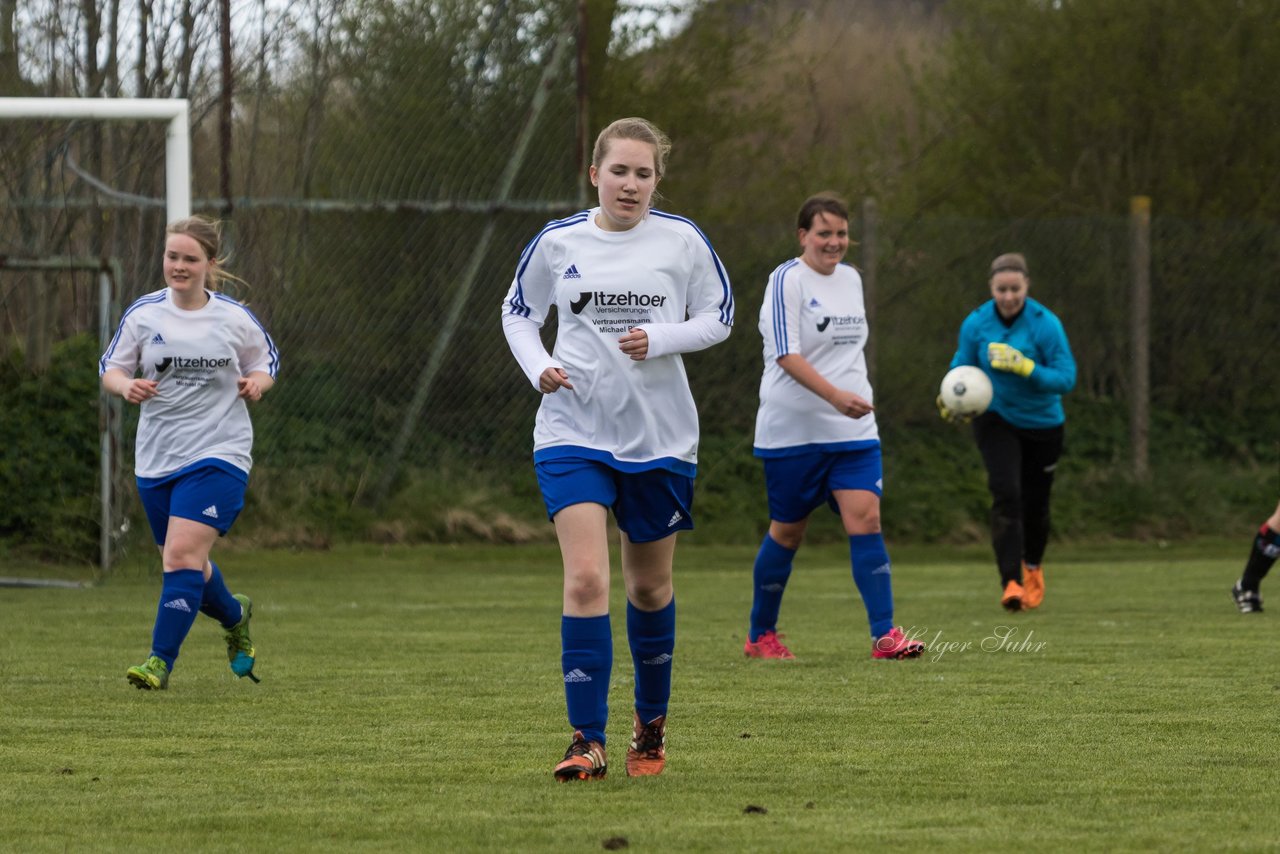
60 286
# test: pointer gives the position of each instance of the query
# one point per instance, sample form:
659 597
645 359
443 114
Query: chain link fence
377 245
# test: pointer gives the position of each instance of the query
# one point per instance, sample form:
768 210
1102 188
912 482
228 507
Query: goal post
175 111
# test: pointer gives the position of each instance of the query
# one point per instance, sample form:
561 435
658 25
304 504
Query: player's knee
1002 523
1006 502
789 535
585 589
650 596
865 522
183 559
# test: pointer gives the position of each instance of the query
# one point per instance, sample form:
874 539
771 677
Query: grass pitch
411 700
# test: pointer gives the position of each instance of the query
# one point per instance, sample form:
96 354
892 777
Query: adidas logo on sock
572 272
773 588
661 659
882 569
211 511
576 675
675 517
178 605
158 339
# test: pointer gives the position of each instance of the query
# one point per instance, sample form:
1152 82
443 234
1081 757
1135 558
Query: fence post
1140 334
870 225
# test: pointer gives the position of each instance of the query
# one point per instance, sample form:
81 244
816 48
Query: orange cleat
584 760
647 754
1033 586
894 644
766 646
1012 597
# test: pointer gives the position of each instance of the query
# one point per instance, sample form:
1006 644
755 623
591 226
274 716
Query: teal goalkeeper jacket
1033 402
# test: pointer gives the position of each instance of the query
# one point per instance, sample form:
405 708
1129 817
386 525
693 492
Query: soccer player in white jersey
201 357
617 429
816 429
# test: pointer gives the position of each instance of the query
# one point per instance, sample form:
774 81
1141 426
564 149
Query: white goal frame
177 175
177 143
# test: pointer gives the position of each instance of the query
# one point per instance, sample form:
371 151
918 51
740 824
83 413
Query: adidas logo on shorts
211 511
675 517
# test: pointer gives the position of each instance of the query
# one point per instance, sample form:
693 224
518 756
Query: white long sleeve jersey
663 275
196 357
824 319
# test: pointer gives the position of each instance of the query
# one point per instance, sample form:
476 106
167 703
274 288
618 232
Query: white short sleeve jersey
824 319
196 357
661 274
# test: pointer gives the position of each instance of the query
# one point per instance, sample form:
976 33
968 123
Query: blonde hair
207 233
641 130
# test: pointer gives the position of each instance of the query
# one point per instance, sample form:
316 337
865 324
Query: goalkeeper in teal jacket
1021 345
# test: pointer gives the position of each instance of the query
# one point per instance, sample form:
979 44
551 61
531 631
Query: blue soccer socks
772 569
652 636
218 602
180 597
586 658
872 574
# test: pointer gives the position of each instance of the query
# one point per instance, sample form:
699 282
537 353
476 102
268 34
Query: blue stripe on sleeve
726 300
780 309
150 299
518 304
273 363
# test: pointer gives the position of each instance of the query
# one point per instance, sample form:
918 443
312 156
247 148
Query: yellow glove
1006 358
949 416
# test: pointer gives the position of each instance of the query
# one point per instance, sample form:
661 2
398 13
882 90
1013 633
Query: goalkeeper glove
1006 358
949 416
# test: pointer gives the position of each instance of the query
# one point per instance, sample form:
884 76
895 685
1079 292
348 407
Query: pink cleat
766 646
895 644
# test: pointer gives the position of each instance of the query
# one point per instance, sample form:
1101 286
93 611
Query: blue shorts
648 505
798 485
207 494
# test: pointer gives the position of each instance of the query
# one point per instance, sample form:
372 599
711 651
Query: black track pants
1020 465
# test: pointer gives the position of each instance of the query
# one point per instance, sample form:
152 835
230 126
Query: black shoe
1248 601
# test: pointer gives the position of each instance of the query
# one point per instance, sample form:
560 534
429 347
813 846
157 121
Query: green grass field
411 700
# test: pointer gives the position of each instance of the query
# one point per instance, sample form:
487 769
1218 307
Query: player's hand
249 389
635 344
1006 358
552 380
949 416
139 390
848 403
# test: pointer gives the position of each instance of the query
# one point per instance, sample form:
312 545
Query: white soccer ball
966 390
